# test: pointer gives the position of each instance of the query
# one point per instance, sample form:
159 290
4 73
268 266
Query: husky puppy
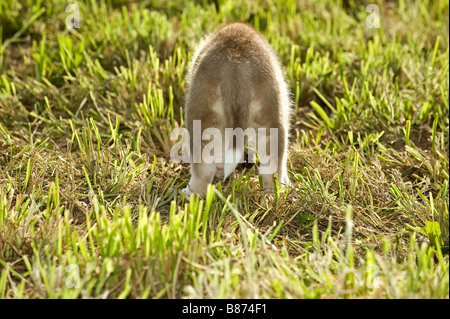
236 84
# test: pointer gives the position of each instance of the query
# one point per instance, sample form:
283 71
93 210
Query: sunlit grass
90 203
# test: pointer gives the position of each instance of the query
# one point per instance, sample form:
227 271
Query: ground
91 204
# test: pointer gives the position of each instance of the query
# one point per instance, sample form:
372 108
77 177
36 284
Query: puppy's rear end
236 82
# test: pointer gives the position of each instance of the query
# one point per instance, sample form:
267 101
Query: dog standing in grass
235 82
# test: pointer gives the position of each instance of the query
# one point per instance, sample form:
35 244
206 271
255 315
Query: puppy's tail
232 158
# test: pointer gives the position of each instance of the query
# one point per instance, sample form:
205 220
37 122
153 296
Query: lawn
91 204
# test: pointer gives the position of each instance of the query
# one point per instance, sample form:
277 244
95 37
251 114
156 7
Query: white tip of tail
232 158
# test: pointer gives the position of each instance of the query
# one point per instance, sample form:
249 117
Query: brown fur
238 65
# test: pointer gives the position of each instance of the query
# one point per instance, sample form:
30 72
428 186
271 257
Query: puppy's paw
284 182
188 192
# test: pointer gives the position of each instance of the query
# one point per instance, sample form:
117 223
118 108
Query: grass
90 204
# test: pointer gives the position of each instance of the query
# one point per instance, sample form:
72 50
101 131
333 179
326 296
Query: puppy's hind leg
203 167
268 159
282 157
275 144
202 174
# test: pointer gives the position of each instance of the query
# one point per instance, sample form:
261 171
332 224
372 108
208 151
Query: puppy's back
236 64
